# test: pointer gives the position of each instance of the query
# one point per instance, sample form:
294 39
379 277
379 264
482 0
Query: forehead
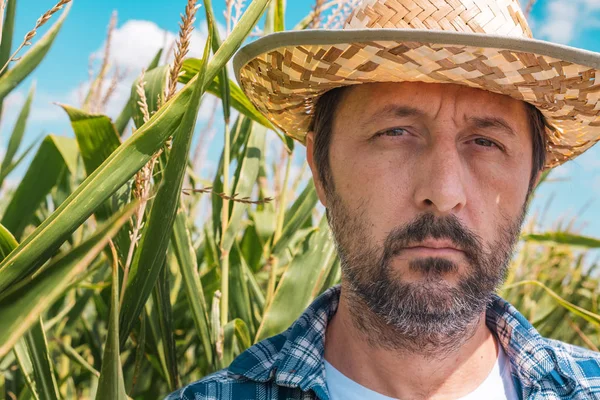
432 99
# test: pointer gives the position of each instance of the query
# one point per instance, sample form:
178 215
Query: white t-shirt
497 386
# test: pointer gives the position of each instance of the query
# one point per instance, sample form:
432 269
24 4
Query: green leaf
17 135
241 132
140 351
21 309
563 238
56 156
186 259
162 306
245 178
223 75
8 29
97 140
37 347
589 316
300 283
300 211
111 385
96 136
26 366
93 191
156 82
240 305
119 167
125 115
235 329
150 257
7 242
279 23
32 58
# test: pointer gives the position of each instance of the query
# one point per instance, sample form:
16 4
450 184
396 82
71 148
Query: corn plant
125 274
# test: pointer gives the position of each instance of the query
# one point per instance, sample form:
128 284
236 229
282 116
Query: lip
433 248
423 251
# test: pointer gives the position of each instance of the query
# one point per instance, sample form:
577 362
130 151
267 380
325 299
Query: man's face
426 198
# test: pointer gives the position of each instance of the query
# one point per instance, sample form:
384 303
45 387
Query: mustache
428 226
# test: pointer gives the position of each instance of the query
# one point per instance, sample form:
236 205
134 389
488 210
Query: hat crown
497 17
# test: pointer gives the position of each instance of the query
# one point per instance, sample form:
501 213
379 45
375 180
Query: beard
429 316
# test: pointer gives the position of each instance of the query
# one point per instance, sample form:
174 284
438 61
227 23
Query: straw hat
485 44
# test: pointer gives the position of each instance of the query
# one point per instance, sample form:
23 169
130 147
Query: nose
440 186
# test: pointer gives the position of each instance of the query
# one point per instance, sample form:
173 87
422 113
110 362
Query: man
425 141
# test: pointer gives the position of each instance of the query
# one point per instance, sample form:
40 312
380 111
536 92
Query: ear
310 145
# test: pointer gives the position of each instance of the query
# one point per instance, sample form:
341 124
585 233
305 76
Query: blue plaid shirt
290 365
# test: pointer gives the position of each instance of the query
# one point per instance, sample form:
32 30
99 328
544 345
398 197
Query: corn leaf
589 316
17 135
56 156
300 283
32 58
21 309
229 331
96 136
150 257
279 18
241 130
37 348
97 139
26 366
186 259
8 29
244 180
111 385
240 304
164 313
7 242
563 238
122 164
223 75
297 215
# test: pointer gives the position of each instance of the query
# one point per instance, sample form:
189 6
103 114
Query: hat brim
284 74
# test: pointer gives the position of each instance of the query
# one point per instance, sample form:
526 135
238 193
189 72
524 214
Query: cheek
374 185
495 199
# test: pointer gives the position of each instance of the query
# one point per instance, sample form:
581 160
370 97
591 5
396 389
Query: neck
406 367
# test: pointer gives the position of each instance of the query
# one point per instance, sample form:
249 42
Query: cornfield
125 274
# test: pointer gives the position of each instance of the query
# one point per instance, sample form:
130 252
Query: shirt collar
532 358
294 358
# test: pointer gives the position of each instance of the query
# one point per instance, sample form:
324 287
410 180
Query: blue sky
574 190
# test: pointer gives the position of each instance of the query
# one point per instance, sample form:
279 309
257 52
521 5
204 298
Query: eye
485 142
392 132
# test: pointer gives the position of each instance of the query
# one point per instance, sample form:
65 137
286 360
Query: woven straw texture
284 83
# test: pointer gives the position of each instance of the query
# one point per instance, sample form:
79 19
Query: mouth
432 248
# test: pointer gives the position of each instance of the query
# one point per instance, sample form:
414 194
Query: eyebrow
399 111
492 122
393 110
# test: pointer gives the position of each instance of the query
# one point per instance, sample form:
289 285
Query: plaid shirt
290 365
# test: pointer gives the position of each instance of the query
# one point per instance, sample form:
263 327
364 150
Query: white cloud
136 42
133 46
565 19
